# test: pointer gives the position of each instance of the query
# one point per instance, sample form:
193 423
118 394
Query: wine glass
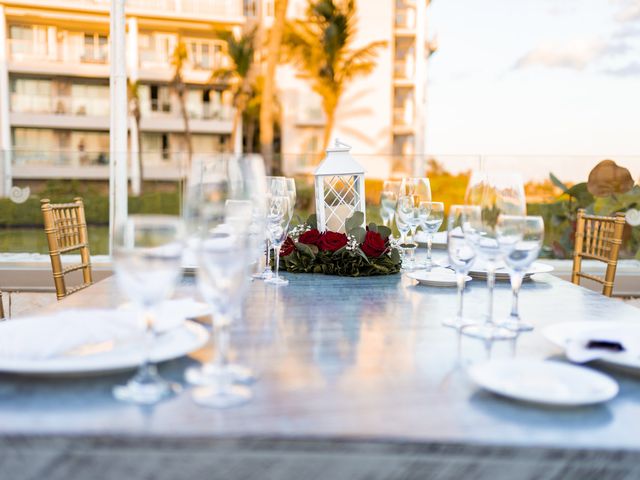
278 220
431 216
406 218
291 191
461 256
388 201
502 193
231 214
147 258
279 186
419 186
529 234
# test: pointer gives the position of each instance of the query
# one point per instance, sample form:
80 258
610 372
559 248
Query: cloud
629 70
575 54
627 32
629 12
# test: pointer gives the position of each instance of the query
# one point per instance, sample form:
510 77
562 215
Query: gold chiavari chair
1 307
597 238
66 230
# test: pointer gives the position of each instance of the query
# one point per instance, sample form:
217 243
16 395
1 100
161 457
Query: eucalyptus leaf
354 221
384 232
305 249
312 221
558 183
359 233
373 227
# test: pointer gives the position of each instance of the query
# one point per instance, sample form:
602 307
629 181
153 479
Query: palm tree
238 77
134 111
178 60
320 46
267 106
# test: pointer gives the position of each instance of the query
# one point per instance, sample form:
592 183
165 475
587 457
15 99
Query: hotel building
54 84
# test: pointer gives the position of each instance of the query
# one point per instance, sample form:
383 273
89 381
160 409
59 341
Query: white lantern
339 185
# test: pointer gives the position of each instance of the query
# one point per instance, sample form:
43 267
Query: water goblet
291 192
147 258
278 225
502 193
388 201
529 233
419 186
406 218
461 257
277 186
431 216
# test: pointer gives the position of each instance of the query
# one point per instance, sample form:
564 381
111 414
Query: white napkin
171 314
576 348
59 334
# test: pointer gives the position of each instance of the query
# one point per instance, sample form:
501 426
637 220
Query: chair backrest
597 238
66 229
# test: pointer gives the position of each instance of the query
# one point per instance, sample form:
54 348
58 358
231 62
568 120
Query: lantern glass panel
341 200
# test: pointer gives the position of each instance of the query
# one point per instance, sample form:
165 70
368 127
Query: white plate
125 356
439 239
563 333
436 278
546 382
502 274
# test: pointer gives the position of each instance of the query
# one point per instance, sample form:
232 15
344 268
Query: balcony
405 18
59 105
404 69
221 10
63 59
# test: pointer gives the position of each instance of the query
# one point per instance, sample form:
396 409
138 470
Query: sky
536 77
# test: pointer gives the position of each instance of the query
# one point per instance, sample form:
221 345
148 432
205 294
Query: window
95 48
250 8
160 98
28 41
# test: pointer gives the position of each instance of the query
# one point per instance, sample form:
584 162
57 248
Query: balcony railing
26 50
60 105
405 18
218 8
403 69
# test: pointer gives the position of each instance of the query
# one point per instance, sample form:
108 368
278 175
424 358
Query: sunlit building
54 85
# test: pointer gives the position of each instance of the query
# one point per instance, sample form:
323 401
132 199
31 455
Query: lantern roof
339 161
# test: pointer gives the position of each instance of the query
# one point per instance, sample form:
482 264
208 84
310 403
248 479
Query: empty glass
278 219
431 215
278 186
147 258
231 212
461 257
502 193
388 201
291 191
419 186
406 219
529 235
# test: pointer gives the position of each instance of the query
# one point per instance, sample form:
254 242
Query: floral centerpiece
359 252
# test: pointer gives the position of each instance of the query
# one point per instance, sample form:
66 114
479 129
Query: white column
52 43
5 127
420 82
132 61
118 121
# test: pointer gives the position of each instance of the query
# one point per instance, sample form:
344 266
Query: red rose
287 247
310 237
332 241
373 245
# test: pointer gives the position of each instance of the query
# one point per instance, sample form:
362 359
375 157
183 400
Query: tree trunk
187 129
328 129
268 90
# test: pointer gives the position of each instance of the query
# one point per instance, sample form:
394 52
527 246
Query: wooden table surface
357 379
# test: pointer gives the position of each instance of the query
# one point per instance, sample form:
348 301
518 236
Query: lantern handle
339 143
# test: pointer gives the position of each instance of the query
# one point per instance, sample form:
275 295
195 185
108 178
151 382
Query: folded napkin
584 348
172 313
65 333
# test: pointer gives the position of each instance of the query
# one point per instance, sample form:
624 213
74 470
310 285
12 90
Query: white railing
60 105
27 50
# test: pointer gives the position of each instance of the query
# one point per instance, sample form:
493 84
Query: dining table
356 378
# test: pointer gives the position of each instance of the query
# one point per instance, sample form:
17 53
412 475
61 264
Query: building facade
54 85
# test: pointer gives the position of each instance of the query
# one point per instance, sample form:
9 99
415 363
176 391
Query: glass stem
429 243
491 280
460 281
267 266
276 251
147 368
222 349
516 283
